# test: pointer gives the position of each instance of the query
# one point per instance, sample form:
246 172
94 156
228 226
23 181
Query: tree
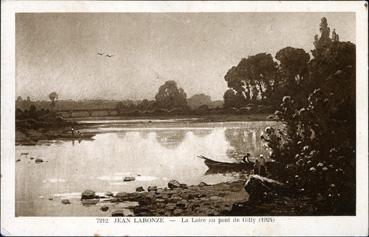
316 147
197 100
233 99
253 78
293 68
259 71
53 96
170 96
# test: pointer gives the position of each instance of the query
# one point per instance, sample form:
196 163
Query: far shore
199 118
30 136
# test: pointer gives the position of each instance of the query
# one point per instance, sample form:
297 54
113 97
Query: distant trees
53 96
198 100
170 96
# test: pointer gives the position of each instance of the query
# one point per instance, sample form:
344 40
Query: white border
87 226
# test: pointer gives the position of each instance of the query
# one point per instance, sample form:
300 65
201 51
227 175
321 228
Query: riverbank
31 131
175 200
222 199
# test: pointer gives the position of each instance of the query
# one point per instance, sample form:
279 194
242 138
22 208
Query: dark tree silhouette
293 70
233 99
253 78
170 96
53 96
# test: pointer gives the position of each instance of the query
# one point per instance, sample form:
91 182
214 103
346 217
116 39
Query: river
152 151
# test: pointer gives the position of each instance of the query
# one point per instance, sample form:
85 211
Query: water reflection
242 141
170 138
157 154
144 134
121 134
202 132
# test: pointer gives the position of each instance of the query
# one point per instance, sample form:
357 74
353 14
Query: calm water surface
153 151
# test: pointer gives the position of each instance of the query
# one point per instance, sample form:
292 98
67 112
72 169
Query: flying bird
100 53
109 55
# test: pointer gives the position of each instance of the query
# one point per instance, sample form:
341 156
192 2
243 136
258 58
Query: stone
140 189
104 208
170 206
173 184
142 211
18 160
128 179
31 158
184 186
109 194
37 161
152 188
160 200
257 185
114 199
202 184
177 212
182 204
190 196
88 202
51 198
145 200
117 213
214 198
175 199
65 201
88 194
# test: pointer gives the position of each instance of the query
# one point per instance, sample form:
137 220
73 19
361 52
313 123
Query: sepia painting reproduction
185 114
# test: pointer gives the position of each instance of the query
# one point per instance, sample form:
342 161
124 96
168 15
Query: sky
58 51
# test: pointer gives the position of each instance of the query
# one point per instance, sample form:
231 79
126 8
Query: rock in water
65 201
140 189
257 185
88 202
109 194
51 198
38 161
18 160
173 184
152 188
104 208
127 179
88 194
184 186
201 184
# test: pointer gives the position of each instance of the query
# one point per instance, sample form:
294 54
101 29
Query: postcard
184 118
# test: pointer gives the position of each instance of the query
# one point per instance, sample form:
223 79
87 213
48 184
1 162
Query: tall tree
293 70
53 96
170 96
253 78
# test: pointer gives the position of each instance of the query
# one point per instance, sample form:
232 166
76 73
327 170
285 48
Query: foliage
251 80
198 100
170 96
316 145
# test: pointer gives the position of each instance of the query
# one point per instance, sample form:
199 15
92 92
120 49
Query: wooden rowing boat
226 166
